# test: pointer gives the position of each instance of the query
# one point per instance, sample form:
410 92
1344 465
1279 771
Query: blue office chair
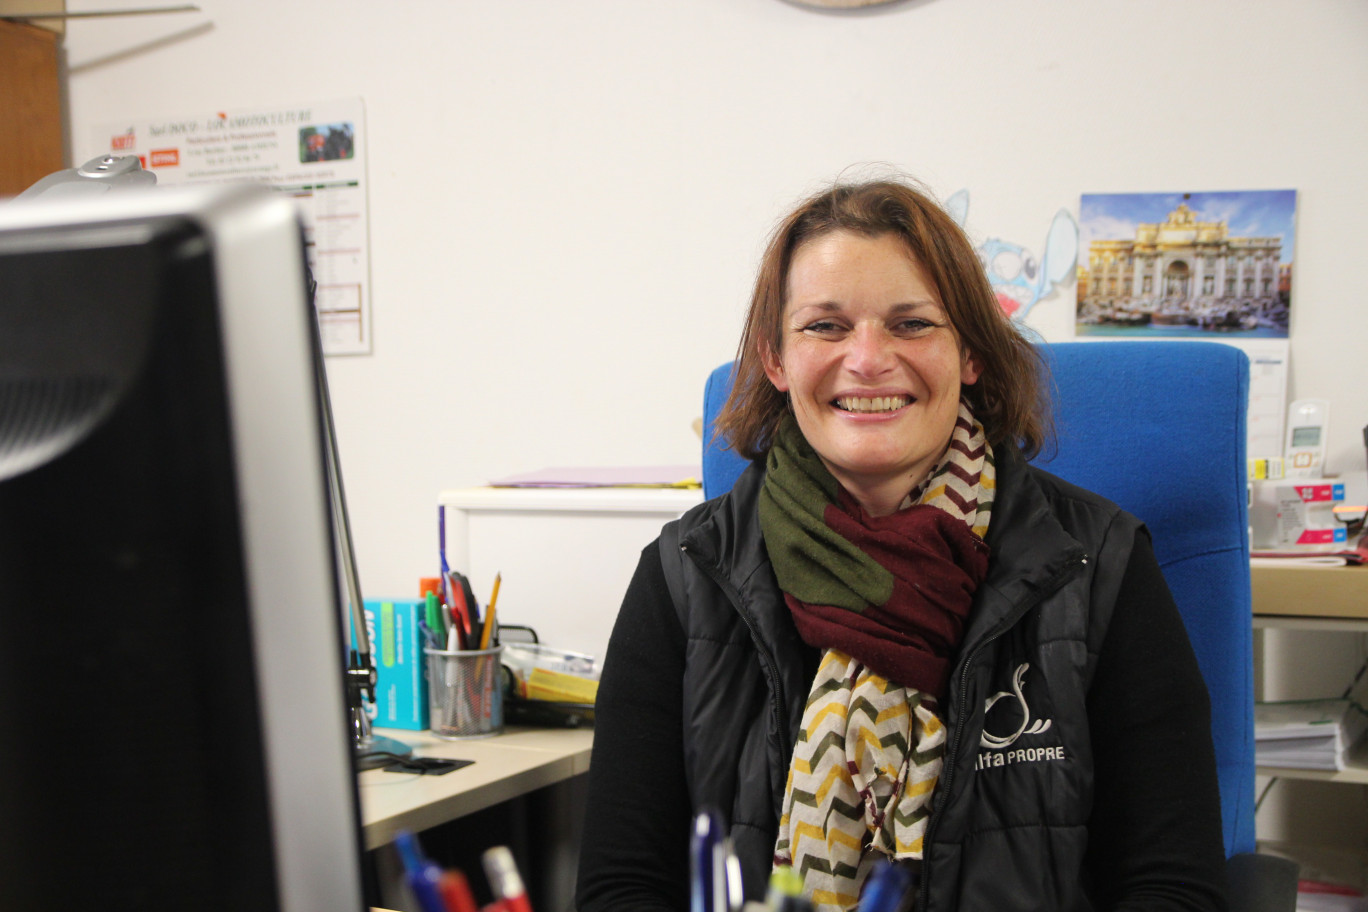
1159 428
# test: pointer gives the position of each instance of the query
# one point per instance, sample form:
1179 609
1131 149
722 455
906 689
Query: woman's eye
910 327
824 327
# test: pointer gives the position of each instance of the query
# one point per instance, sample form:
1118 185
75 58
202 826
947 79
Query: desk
523 773
506 766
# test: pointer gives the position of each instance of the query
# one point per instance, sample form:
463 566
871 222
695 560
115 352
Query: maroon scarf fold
937 563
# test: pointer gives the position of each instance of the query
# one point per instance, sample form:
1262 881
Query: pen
502 873
441 550
707 866
731 877
472 603
460 615
786 891
885 888
421 874
433 613
489 615
456 893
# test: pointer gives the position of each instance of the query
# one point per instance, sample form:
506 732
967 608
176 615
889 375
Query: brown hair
1009 397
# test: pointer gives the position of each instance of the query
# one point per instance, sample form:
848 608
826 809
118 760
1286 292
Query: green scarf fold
815 564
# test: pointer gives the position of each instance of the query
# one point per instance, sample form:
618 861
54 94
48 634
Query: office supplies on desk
504 881
785 892
465 693
456 893
731 876
458 608
708 866
1306 517
423 766
886 889
1352 555
422 875
397 635
433 615
455 589
490 619
547 674
1307 734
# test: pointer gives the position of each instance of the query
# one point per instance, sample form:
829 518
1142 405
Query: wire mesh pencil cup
465 693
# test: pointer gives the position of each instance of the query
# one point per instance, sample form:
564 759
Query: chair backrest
1158 427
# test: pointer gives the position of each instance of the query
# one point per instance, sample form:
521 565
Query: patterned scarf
886 599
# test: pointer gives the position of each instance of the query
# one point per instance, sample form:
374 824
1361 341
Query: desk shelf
1311 611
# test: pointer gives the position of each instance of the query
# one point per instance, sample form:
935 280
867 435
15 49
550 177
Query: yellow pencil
489 615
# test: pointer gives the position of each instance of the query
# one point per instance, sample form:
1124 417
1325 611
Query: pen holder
465 693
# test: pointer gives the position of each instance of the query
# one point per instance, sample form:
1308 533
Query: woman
894 637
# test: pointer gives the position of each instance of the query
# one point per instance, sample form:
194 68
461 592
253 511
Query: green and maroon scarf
892 591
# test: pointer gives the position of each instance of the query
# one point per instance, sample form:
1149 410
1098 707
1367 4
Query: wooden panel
30 106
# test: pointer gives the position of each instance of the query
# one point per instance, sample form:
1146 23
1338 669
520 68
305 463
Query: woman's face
871 364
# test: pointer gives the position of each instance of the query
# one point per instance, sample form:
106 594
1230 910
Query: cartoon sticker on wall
1018 278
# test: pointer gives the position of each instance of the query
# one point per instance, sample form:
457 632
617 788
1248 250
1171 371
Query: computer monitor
173 723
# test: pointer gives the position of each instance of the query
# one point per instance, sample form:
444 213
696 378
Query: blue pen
447 597
422 875
886 888
707 863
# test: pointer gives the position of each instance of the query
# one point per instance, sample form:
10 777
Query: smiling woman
894 639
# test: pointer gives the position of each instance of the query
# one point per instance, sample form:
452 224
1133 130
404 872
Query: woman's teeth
874 404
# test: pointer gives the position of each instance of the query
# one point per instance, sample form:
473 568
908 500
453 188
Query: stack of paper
1307 734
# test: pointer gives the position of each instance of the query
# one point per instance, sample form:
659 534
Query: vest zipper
1053 585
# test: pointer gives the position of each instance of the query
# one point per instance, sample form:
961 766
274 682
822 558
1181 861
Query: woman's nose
870 351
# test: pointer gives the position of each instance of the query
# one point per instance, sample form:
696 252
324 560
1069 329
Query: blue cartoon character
1017 278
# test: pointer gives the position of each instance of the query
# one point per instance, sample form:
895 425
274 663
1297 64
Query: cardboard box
401 695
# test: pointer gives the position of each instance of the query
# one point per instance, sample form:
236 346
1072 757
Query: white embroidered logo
998 742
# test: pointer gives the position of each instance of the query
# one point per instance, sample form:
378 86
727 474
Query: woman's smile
880 405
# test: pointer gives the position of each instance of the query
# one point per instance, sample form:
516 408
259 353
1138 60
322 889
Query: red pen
502 873
459 613
455 892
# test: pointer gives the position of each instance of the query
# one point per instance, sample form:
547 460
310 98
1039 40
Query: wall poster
1210 265
315 153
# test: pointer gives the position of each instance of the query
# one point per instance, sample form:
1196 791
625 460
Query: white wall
567 199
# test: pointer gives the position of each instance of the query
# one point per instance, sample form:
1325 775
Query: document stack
1307 734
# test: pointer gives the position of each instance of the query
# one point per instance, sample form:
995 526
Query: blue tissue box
401 694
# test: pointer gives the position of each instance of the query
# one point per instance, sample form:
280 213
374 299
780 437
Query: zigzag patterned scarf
886 598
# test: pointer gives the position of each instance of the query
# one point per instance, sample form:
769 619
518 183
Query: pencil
489 615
